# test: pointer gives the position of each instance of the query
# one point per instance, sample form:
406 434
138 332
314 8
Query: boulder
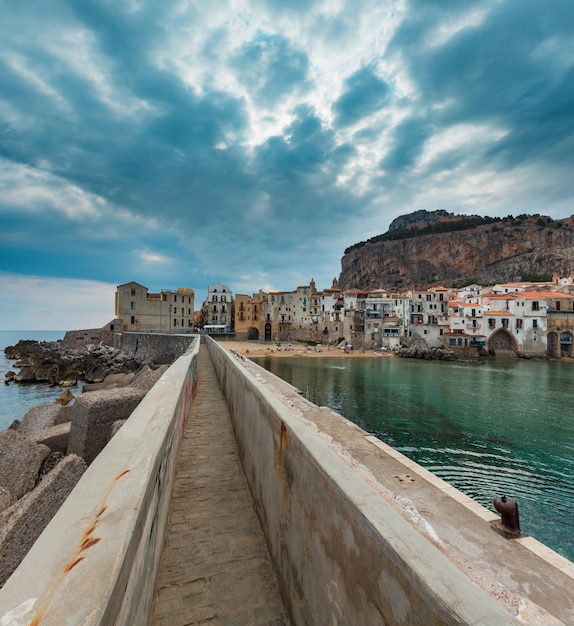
146 378
112 381
23 522
116 426
54 362
20 462
94 414
5 499
49 464
55 437
38 418
65 415
68 383
65 398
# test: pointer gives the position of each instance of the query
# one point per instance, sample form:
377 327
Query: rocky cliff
426 249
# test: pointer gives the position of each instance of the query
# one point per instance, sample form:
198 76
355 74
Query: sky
249 142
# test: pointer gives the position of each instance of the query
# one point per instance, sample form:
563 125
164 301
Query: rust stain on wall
87 542
281 448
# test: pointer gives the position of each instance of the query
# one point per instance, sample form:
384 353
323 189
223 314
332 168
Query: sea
17 399
505 427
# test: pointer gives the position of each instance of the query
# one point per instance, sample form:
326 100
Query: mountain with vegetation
427 248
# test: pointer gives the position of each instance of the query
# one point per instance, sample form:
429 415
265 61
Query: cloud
365 94
271 67
59 303
182 144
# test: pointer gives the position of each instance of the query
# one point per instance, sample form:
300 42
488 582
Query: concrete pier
227 498
215 567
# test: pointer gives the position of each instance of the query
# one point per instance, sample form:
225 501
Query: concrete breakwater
44 454
342 551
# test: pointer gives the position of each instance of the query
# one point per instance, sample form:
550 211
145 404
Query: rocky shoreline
45 453
52 362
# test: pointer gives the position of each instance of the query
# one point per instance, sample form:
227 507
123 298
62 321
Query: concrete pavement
215 566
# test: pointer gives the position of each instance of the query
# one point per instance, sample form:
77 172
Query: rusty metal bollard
508 508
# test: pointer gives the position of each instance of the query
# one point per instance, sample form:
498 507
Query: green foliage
536 278
460 284
465 223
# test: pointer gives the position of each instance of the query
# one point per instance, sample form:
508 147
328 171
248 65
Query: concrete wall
97 560
161 348
342 554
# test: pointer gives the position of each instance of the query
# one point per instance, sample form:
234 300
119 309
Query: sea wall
342 554
160 348
97 560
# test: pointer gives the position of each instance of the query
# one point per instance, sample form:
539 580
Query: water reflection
505 427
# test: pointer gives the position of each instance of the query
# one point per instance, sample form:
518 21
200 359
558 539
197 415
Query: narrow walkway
215 567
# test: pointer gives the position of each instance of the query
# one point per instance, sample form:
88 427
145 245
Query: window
132 320
133 292
535 305
175 298
535 324
223 299
132 305
518 324
214 298
557 307
491 324
504 322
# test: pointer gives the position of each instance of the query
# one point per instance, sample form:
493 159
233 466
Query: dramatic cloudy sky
181 143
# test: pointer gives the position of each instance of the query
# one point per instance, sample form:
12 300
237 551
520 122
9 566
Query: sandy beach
256 348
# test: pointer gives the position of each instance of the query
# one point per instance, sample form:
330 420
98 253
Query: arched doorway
566 343
552 346
502 342
253 334
267 332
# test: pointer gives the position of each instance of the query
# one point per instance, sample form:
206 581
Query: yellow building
167 311
249 322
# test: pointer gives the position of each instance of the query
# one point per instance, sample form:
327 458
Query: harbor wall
97 560
342 554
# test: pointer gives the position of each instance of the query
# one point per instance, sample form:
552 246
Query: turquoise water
16 400
504 427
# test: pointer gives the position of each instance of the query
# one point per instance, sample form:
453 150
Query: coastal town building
166 311
428 321
249 318
219 308
531 319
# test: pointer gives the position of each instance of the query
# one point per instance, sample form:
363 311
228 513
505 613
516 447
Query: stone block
116 426
23 522
5 499
55 437
38 418
20 462
65 415
146 378
94 414
111 381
